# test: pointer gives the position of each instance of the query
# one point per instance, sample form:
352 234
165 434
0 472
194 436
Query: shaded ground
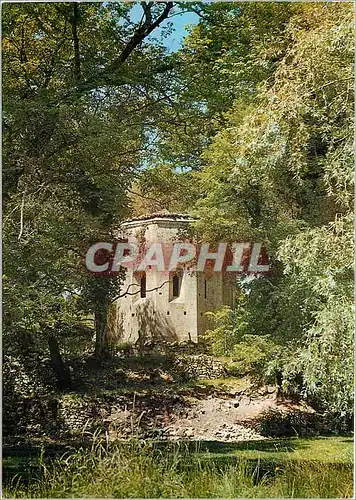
154 397
159 398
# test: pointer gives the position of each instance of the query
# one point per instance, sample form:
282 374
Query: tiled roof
160 215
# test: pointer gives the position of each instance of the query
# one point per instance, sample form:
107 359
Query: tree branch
21 215
144 196
143 31
138 291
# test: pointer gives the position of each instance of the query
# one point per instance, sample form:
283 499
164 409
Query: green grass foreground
294 468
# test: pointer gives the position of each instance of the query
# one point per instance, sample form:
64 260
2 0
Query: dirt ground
226 419
215 417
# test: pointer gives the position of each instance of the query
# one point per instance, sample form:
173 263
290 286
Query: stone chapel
164 305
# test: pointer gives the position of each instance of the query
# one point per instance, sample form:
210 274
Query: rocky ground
225 418
173 398
216 419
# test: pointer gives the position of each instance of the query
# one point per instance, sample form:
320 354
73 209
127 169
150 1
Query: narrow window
143 286
205 289
175 285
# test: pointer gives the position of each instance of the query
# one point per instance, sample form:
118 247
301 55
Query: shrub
277 423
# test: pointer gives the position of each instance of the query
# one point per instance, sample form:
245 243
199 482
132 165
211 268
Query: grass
227 384
171 470
331 450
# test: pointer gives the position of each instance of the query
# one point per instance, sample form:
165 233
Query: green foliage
168 188
75 100
249 353
280 170
324 355
309 337
267 172
225 57
249 126
227 331
277 423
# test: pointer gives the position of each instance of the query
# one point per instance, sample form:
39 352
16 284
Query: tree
282 171
77 94
225 57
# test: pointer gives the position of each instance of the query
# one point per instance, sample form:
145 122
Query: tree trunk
61 371
101 330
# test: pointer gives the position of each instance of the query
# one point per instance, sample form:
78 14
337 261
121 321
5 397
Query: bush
277 423
228 331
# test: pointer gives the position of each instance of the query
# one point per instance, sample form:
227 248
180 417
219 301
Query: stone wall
199 366
34 408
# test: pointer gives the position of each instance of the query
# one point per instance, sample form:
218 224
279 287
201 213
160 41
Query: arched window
176 282
143 286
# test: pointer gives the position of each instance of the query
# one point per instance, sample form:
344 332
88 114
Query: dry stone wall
199 366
